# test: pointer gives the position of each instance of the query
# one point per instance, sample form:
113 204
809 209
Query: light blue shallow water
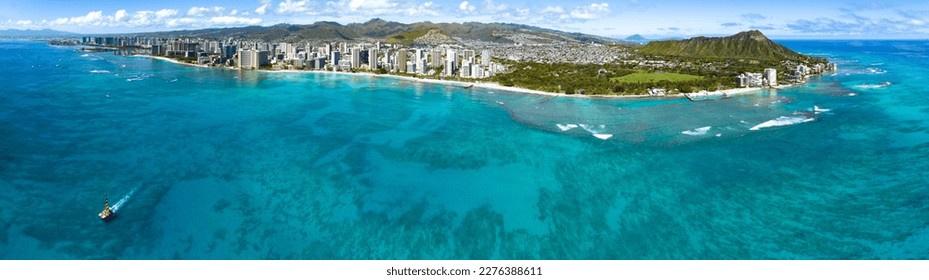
230 165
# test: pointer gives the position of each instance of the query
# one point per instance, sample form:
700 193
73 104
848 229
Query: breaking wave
603 136
697 131
870 86
566 127
593 128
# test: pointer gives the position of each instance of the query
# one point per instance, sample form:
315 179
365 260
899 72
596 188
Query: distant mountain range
749 44
44 33
378 29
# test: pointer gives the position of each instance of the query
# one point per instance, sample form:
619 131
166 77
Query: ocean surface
221 164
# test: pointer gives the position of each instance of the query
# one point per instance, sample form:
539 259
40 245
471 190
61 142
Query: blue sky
778 19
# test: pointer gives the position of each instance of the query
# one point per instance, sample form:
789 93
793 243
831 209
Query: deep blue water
248 165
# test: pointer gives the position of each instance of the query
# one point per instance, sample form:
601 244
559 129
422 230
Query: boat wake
119 204
783 121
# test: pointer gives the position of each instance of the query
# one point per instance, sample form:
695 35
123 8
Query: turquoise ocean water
221 164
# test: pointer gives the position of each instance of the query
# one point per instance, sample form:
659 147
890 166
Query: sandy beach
478 84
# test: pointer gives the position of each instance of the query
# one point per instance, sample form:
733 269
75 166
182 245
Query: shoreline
465 85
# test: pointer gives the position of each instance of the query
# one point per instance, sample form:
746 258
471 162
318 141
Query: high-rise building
449 68
485 57
436 58
336 57
158 50
420 61
465 70
356 57
252 59
372 59
289 50
229 51
467 55
451 62
401 60
741 80
770 74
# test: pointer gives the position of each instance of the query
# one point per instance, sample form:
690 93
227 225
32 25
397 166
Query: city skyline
787 19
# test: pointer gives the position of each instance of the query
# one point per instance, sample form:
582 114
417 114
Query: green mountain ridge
744 45
378 29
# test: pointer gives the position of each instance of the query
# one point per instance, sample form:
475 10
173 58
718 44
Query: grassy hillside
407 37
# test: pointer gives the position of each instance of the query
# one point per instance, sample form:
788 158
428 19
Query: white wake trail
122 201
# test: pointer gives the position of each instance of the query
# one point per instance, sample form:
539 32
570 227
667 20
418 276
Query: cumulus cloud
291 7
197 11
194 18
164 13
92 18
553 10
262 9
120 15
422 9
466 7
591 11
23 22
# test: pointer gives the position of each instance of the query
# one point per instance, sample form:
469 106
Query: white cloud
92 18
23 22
466 7
494 8
591 11
230 20
261 10
181 22
553 10
234 12
355 5
197 11
164 13
290 7
142 18
422 9
120 15
201 11
522 15
196 17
